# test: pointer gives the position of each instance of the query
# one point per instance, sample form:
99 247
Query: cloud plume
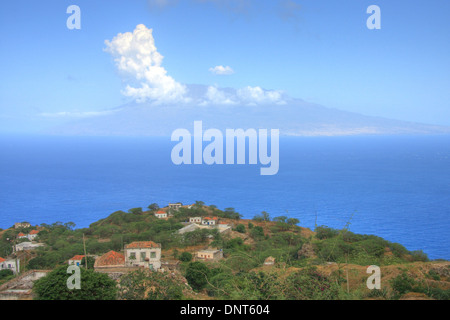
138 59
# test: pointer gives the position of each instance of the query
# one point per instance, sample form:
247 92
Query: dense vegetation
298 253
94 286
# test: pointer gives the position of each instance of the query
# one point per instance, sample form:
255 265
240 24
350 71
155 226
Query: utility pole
85 255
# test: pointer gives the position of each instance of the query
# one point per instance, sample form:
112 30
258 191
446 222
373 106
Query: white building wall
140 260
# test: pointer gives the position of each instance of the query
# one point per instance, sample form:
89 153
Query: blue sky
319 51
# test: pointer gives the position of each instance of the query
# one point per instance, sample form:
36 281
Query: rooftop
143 244
111 258
78 257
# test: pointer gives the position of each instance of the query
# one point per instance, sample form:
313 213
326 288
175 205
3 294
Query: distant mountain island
294 117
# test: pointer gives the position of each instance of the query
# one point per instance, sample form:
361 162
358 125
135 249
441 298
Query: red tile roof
21 234
109 259
161 212
78 257
208 218
1 259
143 244
34 232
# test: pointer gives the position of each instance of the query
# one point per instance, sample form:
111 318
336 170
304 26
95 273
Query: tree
280 219
240 228
199 204
69 225
153 207
94 286
197 275
292 221
265 216
186 256
257 232
258 218
90 262
136 211
6 273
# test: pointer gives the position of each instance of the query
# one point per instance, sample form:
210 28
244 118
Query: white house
22 225
175 206
207 221
27 246
11 264
195 220
146 254
76 260
22 236
32 235
161 214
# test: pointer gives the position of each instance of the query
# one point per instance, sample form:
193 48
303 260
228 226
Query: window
152 254
143 256
132 255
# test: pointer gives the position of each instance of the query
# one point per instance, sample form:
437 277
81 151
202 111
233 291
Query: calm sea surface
394 187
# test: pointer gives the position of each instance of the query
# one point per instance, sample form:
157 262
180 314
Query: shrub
147 285
240 228
6 274
324 232
186 257
402 284
308 284
419 255
197 274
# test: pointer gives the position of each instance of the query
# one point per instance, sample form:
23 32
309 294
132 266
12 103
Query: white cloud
257 95
137 57
221 70
216 96
249 96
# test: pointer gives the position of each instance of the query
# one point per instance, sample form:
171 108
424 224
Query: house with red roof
10 264
32 235
161 214
145 254
76 260
207 221
22 236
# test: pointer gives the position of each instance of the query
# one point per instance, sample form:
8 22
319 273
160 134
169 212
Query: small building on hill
32 235
207 221
76 260
161 214
22 225
210 254
175 206
10 264
195 220
145 254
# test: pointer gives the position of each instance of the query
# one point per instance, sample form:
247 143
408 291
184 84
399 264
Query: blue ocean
397 187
